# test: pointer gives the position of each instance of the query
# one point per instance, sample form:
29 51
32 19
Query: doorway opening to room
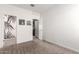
35 28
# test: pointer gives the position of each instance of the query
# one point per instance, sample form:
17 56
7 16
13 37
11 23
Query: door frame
33 28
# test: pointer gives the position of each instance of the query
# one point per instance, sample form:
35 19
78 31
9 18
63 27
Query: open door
36 28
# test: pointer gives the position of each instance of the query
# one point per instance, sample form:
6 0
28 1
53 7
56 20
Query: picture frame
28 22
21 22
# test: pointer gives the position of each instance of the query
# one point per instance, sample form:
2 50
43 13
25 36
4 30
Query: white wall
41 28
24 33
61 26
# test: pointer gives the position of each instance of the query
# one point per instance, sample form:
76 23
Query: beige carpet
35 47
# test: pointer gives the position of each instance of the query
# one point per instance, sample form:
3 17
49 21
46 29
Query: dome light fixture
32 5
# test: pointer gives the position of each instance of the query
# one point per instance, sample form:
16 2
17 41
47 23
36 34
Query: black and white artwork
28 22
9 27
21 22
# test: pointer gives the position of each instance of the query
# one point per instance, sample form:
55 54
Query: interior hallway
35 47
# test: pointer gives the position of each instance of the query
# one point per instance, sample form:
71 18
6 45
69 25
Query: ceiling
40 8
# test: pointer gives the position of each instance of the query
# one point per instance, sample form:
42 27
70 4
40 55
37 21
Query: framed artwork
21 22
10 27
28 22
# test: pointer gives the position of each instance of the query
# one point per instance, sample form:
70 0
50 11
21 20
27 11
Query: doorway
36 28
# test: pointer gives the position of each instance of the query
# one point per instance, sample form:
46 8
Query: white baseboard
75 50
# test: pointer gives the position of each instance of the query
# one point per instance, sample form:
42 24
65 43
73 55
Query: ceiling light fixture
32 5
